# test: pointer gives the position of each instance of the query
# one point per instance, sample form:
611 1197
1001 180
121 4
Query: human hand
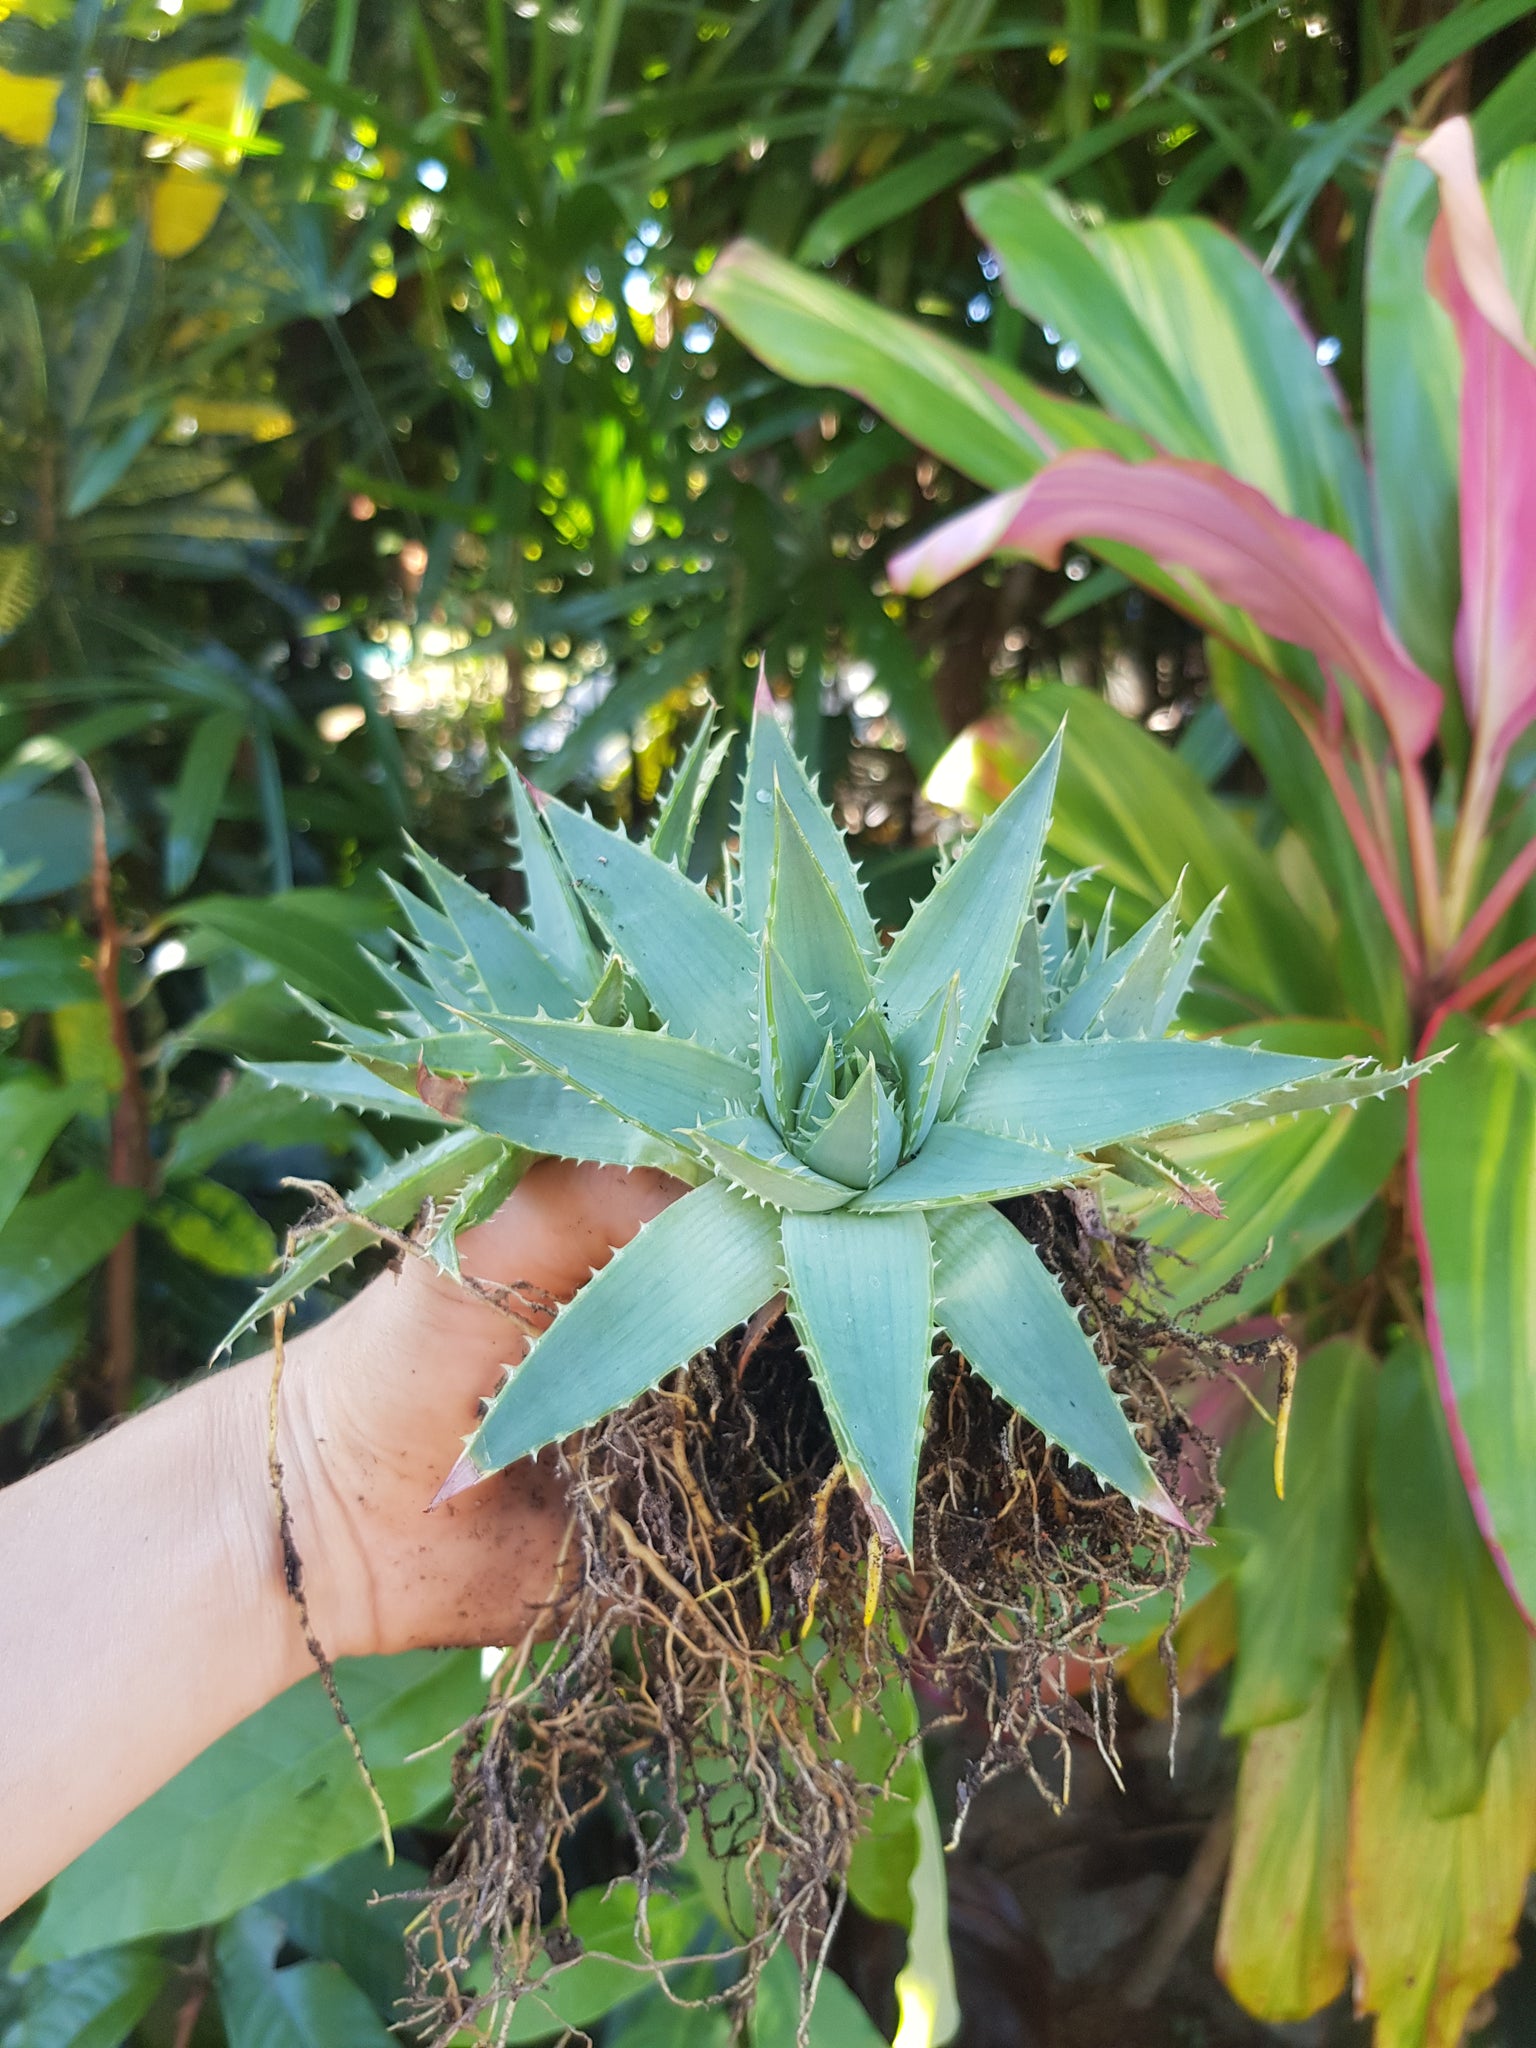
376 1404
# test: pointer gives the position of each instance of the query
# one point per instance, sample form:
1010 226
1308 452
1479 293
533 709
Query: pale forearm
142 1613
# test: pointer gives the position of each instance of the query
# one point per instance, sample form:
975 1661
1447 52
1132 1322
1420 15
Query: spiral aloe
846 1112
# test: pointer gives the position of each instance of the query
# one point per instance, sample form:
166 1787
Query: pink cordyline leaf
1295 581
1496 632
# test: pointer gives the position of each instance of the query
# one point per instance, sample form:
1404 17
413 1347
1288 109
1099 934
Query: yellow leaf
208 83
254 419
1433 1903
27 107
21 584
182 208
1282 1948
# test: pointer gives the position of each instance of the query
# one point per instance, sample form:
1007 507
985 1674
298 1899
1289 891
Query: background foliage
362 420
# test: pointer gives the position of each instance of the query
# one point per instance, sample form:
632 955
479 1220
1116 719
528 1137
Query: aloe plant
848 1113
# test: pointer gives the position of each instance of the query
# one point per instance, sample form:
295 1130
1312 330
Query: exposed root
728 1621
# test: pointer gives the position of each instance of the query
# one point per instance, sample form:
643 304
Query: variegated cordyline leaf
846 1117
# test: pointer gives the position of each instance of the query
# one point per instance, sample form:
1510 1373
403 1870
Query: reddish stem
1481 926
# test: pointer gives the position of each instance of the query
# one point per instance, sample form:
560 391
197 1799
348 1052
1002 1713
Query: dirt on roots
727 1602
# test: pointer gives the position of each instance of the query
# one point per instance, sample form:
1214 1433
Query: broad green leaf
664 1084
1412 376
33 1111
750 1152
1287 1189
301 942
1283 1947
693 1272
969 925
1433 1904
1083 1097
553 909
697 966
895 194
1462 1640
215 1228
1301 1556
303 2005
613 1966
44 971
91 2001
1473 1193
677 819
51 1239
253 1110
1005 1313
541 1114
393 1197
276 1799
790 1039
861 1297
350 1914
774 776
885 1853
344 1084
926 1993
199 791
517 977
972 411
37 1349
1134 811
960 1164
837 2018
806 925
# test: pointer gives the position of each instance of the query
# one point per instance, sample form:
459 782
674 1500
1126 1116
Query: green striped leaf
861 1296
694 1272
1005 1314
696 965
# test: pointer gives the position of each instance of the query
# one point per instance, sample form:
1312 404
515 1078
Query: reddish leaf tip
465 1474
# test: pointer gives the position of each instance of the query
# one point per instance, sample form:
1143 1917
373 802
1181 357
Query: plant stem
1485 919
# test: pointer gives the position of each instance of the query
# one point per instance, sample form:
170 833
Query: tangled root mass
726 1610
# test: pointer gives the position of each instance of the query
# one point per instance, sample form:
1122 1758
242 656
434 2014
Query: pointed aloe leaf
846 1148
345 1085
448 981
1005 1314
817 1100
890 1132
606 1003
554 910
959 1164
970 925
678 818
694 1272
772 765
664 1084
467 1053
539 1112
429 924
1083 1097
517 977
1021 1010
393 1197
808 927
1117 997
480 1197
790 1040
696 965
750 1152
861 1296
1182 972
923 1053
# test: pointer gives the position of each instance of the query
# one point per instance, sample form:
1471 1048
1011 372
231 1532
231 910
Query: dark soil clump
729 1608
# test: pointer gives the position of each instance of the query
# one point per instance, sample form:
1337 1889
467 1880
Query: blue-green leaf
790 1039
962 1164
554 911
694 1272
969 926
809 929
861 1295
542 1114
774 775
664 1084
678 818
345 1085
849 1145
924 1049
517 977
696 965
750 1152
1005 1314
